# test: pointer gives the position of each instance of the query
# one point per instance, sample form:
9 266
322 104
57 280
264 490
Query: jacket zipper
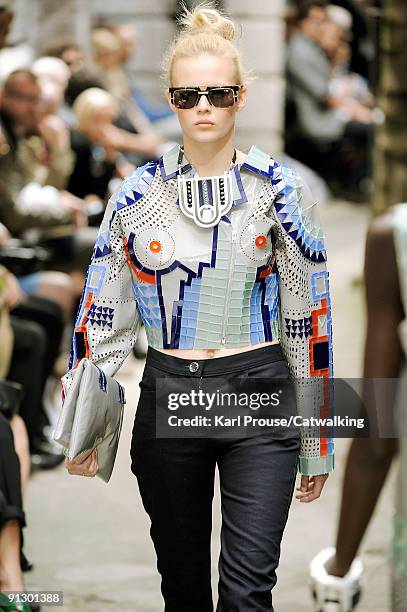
231 265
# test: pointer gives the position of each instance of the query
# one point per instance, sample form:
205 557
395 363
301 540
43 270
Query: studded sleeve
108 320
305 315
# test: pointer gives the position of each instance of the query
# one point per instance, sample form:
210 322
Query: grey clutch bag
92 416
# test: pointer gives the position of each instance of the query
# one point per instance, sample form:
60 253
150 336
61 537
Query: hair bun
206 19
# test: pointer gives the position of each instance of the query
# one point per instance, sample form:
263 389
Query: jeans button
193 366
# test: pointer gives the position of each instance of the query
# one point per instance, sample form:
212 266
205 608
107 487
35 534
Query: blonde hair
90 101
204 30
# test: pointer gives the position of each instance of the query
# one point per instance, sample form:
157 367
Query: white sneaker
331 593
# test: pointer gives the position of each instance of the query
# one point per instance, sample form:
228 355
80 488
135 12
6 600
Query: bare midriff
213 353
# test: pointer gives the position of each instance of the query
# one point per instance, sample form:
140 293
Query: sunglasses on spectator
188 97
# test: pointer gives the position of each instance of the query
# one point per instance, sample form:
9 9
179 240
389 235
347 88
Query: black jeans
176 482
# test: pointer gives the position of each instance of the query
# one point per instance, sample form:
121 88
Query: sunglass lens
222 97
185 98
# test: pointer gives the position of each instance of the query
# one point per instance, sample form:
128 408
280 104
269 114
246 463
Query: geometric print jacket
258 275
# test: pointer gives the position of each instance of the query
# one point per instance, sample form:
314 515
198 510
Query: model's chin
209 133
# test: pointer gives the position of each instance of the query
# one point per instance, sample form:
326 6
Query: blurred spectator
47 155
69 52
108 57
110 62
6 19
48 284
127 33
12 517
323 131
95 111
335 39
12 57
37 329
26 204
52 69
23 203
97 143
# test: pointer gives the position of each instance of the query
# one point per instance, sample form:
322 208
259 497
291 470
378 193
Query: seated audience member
37 326
108 58
107 54
26 204
335 38
96 162
49 284
14 469
69 52
12 516
322 118
13 55
97 143
48 154
127 33
52 69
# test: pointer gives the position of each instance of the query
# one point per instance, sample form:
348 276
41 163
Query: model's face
205 122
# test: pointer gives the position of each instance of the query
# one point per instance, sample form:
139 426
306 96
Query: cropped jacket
258 275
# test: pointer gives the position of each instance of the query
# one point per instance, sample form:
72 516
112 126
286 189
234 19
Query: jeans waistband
216 365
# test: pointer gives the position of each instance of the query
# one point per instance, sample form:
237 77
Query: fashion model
219 254
336 572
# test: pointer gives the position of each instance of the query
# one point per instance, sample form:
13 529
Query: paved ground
92 541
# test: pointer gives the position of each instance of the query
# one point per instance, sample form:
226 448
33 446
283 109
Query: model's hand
89 467
311 487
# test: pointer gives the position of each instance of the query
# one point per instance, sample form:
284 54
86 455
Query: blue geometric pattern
95 278
102 247
100 315
136 185
271 299
148 304
190 314
288 205
214 296
256 319
320 285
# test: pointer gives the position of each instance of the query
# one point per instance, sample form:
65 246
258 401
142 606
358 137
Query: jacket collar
169 163
256 161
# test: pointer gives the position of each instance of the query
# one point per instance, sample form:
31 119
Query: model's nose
203 103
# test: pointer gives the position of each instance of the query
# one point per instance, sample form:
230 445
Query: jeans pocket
148 381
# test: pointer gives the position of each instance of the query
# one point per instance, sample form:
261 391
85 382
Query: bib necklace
205 200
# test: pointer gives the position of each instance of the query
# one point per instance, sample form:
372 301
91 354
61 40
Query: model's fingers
304 483
315 493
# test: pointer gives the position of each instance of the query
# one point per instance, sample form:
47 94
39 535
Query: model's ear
241 99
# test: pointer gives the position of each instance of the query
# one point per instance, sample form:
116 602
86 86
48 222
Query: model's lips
204 122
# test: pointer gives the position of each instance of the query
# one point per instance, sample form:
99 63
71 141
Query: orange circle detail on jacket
155 246
260 241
